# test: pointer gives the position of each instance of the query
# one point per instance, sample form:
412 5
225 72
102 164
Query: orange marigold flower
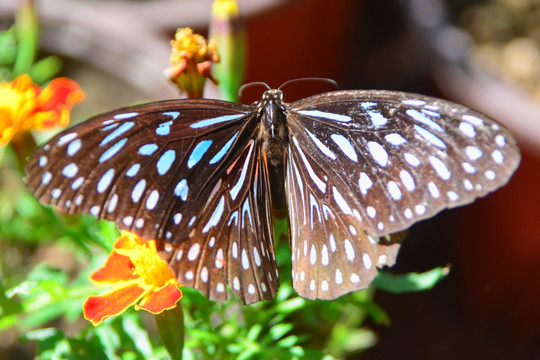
138 276
25 106
191 60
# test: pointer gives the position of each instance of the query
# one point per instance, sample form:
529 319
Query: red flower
25 106
138 276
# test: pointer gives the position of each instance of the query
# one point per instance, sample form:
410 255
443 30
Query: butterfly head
272 95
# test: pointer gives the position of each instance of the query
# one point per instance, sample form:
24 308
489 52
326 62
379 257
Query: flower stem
170 324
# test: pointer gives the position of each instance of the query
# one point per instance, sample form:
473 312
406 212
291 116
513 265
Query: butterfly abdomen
274 137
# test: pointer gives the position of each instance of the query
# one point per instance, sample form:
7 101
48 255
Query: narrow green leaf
411 282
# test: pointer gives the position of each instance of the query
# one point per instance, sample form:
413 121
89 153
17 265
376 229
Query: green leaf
137 334
411 282
45 69
8 47
279 330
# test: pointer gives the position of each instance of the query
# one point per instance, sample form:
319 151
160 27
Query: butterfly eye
350 169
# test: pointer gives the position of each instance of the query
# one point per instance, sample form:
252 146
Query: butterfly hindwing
233 241
331 253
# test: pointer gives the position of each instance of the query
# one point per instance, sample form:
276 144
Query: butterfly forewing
392 158
141 166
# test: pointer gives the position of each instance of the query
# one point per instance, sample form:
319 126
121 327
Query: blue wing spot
198 153
148 149
164 128
165 161
368 104
181 190
125 116
133 170
216 120
116 133
418 116
113 150
223 150
173 114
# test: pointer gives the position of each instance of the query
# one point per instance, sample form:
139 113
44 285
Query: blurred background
483 54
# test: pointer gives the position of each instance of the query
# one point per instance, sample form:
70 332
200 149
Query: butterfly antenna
330 81
243 87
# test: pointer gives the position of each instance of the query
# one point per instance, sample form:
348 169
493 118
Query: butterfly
205 178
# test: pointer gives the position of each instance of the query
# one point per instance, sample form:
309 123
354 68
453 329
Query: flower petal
162 299
117 268
99 308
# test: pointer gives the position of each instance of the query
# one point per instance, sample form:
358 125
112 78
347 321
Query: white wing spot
355 278
367 261
324 285
105 181
420 209
433 190
251 289
408 213
395 139
500 140
473 153
204 274
497 156
74 147
364 183
377 119
56 193
378 153
43 161
490 175
139 223
245 260
220 260
473 120
349 250
393 190
70 170
411 159
407 180
452 195
371 211
193 252
138 191
112 203
339 277
47 177
440 167
467 129
345 145
152 200
324 255
469 169
313 255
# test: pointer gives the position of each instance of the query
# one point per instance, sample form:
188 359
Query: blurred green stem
170 324
27 25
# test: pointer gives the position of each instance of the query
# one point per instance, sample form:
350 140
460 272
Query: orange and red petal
115 302
60 93
117 268
162 299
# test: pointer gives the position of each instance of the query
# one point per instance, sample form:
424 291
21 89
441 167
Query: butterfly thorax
274 138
